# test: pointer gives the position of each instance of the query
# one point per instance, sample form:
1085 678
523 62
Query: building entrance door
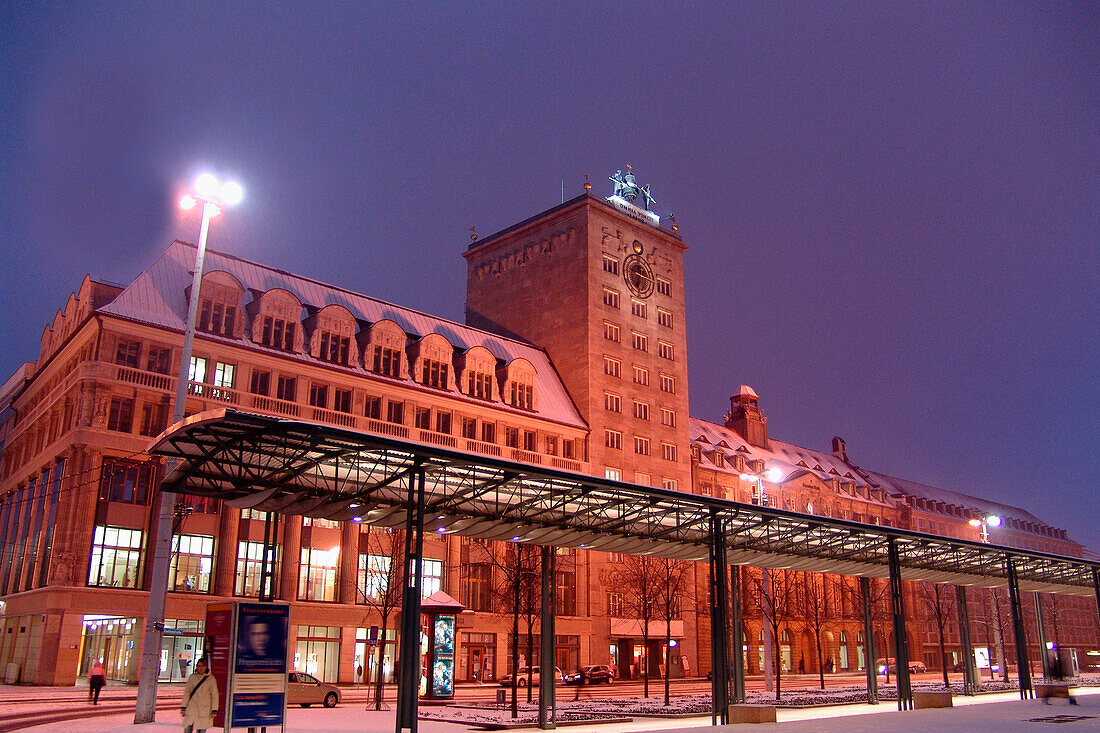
475 661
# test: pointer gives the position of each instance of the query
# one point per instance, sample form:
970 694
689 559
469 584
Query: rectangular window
488 432
639 341
612 367
395 412
260 383
611 332
638 308
567 450
479 587
374 576
215 317
126 483
664 318
387 361
192 563
613 474
317 574
665 350
641 445
341 400
128 353
611 264
223 375
158 359
664 286
318 395
372 407
668 417
511 437
551 445
642 479
434 374
422 418
287 389
116 557
615 604
669 484
641 410
530 440
443 422
154 418
469 428
480 385
196 372
250 569
334 348
612 402
431 577
522 396
613 439
565 593
278 334
668 451
610 298
121 414
641 376
668 383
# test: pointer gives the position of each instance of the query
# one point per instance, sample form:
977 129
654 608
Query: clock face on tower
638 275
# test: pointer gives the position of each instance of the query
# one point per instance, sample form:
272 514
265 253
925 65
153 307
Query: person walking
97 679
200 700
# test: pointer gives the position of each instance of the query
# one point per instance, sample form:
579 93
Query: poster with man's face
261 638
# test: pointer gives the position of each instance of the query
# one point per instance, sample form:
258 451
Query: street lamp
982 524
213 195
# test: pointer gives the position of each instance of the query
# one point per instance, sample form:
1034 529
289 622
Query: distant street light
983 524
213 194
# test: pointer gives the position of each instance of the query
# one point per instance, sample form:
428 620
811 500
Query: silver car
305 690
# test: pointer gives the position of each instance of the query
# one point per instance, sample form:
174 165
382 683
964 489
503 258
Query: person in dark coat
97 679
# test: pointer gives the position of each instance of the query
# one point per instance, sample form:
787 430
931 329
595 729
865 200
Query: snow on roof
158 297
899 486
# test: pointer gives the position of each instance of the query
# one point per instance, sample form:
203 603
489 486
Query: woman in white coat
200 700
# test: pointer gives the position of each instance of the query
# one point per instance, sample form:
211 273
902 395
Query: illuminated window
664 286
611 332
116 557
610 298
431 577
374 576
613 439
610 264
612 402
668 384
664 318
223 375
668 451
668 483
613 474
565 593
638 308
192 563
479 587
250 569
615 604
641 375
317 574
612 367
639 341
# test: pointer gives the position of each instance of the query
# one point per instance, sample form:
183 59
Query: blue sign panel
257 709
261 638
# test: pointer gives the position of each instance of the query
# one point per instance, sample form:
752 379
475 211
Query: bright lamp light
187 202
232 193
206 185
773 475
993 520
975 522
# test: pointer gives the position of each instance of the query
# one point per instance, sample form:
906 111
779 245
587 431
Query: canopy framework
295 467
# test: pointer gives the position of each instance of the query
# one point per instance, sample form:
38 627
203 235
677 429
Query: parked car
506 680
592 674
890 663
305 690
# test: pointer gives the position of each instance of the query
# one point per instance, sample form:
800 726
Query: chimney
745 417
840 448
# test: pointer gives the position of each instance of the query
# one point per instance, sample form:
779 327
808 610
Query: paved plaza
1001 712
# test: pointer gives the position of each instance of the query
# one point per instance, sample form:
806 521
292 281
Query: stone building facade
573 357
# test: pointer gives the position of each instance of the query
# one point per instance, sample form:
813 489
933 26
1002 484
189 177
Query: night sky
893 209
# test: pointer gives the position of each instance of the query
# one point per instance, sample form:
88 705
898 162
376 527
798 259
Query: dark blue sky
893 209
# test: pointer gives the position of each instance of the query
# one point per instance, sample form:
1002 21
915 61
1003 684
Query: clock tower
599 284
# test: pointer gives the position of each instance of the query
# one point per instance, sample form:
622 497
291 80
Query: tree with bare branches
381 586
640 578
939 601
810 600
777 604
674 579
516 594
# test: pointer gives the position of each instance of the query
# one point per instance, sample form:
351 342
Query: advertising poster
259 666
219 650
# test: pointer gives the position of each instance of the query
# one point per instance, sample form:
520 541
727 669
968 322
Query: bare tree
674 577
640 577
810 601
517 594
881 617
382 588
939 602
777 604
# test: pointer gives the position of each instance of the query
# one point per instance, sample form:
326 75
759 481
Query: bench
923 699
752 714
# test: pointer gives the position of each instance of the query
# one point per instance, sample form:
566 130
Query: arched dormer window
384 352
277 320
431 362
475 379
220 305
332 336
518 389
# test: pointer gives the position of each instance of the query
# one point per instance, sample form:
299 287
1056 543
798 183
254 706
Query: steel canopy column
901 644
408 672
719 627
1096 587
546 679
1022 669
737 666
1041 630
970 676
868 642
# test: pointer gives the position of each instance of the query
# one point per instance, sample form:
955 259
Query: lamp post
213 195
982 524
773 475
